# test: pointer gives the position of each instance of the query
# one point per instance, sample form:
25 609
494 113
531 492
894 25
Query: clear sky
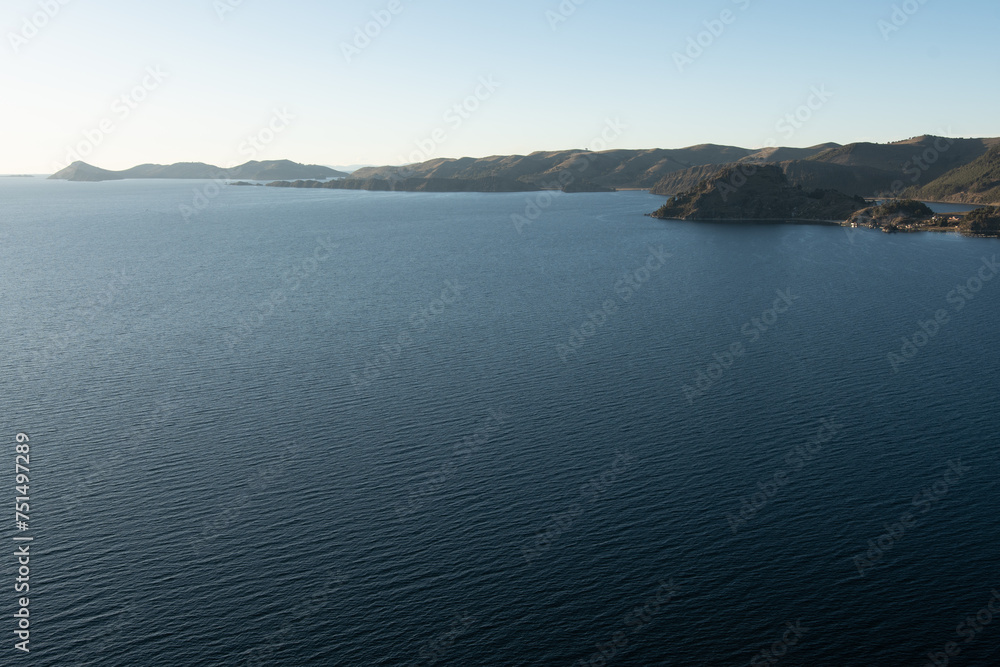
229 70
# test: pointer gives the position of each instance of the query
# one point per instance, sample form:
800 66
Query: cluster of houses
904 224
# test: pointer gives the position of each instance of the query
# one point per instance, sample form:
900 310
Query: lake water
320 427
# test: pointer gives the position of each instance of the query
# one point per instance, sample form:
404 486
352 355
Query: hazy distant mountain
81 171
269 170
977 182
350 168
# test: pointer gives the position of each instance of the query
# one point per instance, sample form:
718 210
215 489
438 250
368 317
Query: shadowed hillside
975 183
864 169
860 181
757 193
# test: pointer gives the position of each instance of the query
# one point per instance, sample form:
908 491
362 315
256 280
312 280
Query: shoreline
757 221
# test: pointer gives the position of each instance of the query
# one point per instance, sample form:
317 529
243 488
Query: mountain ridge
858 169
253 170
862 168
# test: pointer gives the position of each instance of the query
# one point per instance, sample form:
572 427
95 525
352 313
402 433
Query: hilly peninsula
759 194
255 171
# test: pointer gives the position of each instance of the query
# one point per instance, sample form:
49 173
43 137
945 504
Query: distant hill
758 193
81 171
781 154
612 168
977 182
864 169
253 170
914 161
350 168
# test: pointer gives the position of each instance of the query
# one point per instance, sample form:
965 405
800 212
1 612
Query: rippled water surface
310 427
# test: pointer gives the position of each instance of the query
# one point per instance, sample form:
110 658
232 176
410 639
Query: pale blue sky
557 87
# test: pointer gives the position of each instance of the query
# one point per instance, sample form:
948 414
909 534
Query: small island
982 222
758 194
903 215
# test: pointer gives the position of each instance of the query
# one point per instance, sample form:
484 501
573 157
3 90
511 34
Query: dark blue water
344 428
